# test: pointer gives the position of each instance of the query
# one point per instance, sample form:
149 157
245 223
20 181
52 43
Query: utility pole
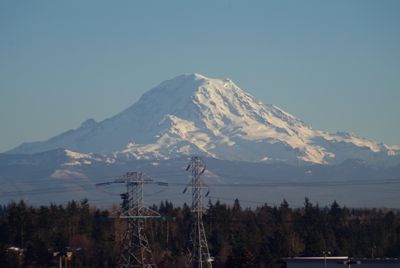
65 255
200 255
373 250
136 251
325 253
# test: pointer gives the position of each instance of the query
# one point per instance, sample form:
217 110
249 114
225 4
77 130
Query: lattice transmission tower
136 251
199 253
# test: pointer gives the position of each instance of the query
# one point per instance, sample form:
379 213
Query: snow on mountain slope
193 114
79 159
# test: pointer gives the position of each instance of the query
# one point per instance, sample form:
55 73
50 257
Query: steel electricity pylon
136 251
200 255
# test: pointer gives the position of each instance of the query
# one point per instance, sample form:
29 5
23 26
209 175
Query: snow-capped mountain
193 114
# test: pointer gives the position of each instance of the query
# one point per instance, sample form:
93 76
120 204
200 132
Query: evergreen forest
261 236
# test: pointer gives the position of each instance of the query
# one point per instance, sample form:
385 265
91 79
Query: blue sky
333 64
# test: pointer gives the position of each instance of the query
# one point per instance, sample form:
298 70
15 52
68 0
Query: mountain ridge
61 175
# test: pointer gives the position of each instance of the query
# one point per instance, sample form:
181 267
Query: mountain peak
192 77
181 92
197 79
198 76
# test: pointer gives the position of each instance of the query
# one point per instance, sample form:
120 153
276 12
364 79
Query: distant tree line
237 237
